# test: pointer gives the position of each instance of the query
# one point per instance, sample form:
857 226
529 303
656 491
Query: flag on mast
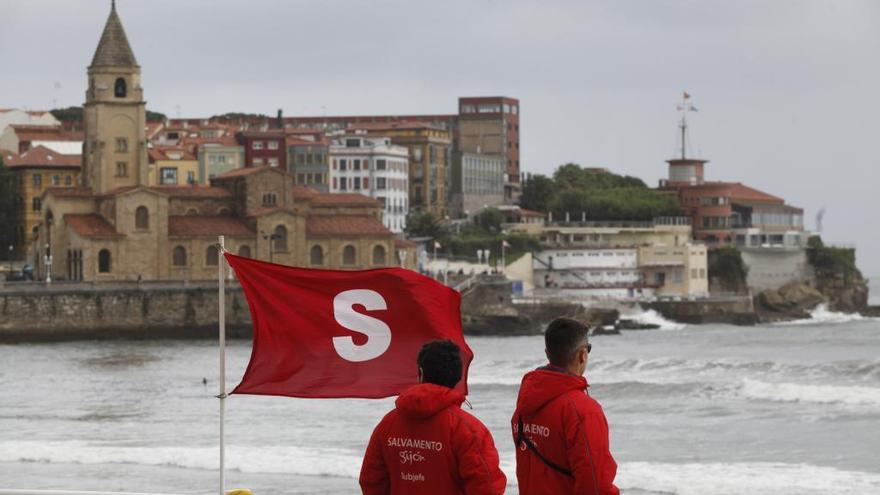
334 333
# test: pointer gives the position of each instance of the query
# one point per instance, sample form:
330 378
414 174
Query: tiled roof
42 156
343 199
345 225
7 155
30 132
205 226
70 192
195 191
113 49
239 172
403 243
91 225
162 153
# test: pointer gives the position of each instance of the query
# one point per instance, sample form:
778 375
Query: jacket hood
543 385
427 399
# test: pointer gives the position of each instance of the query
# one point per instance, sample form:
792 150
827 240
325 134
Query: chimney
279 121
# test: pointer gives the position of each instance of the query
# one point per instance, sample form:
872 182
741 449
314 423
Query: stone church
114 227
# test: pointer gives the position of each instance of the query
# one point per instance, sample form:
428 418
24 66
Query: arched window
244 251
119 89
349 255
280 237
141 218
178 256
224 211
104 261
379 255
212 256
192 211
316 255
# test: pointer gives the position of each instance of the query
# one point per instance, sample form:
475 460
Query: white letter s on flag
377 332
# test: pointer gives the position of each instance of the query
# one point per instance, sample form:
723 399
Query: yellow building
172 166
36 170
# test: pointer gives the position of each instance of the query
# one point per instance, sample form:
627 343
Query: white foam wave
247 459
743 478
850 395
820 315
652 317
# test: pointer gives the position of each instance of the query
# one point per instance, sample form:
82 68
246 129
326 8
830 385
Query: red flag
332 333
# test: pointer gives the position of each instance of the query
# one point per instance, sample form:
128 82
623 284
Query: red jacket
569 429
429 445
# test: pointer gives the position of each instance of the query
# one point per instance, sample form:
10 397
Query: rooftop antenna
684 107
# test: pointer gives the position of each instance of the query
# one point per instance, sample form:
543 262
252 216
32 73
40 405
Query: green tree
75 114
489 220
536 192
728 268
424 224
9 209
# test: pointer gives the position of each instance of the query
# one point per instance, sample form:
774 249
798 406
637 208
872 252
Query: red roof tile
194 191
70 192
345 225
30 132
91 225
162 153
42 156
207 226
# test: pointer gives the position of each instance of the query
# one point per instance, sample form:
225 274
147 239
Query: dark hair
440 361
562 338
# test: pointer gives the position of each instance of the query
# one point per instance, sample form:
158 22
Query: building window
280 238
141 218
212 256
343 183
381 183
121 169
273 162
36 204
37 180
300 178
343 164
68 180
379 255
56 180
270 199
273 145
190 178
168 175
356 164
104 261
352 143
121 145
257 145
244 251
380 164
257 162
119 89
178 256
316 255
349 255
357 183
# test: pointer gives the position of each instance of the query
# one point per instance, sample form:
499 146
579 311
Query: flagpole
221 295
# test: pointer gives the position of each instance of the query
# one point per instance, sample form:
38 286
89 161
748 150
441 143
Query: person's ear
421 375
582 357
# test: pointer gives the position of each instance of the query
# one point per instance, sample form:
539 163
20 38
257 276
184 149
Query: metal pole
221 386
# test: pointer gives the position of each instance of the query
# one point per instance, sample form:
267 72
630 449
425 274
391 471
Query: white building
372 166
591 272
14 116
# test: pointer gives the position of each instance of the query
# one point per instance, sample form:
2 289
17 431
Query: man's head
566 344
440 363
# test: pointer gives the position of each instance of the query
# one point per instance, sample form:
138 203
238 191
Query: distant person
427 444
563 447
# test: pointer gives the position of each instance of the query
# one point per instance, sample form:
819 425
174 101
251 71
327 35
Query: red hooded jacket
429 445
569 429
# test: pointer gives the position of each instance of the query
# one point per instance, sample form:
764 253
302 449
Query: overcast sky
788 92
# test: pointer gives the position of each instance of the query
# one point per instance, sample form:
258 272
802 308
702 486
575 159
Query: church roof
91 225
113 49
345 225
43 157
207 226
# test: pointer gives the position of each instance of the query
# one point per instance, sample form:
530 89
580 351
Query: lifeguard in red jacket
560 432
427 444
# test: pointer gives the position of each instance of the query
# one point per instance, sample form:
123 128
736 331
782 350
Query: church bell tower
114 151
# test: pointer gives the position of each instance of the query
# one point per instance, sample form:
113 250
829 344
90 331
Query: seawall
119 310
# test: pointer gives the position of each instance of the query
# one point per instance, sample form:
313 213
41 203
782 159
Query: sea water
713 409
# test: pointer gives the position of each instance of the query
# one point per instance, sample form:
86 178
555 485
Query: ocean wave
307 461
743 478
820 315
849 395
651 317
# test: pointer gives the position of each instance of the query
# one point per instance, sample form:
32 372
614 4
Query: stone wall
771 268
119 311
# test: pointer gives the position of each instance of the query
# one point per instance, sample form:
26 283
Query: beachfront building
374 167
477 182
116 225
618 259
